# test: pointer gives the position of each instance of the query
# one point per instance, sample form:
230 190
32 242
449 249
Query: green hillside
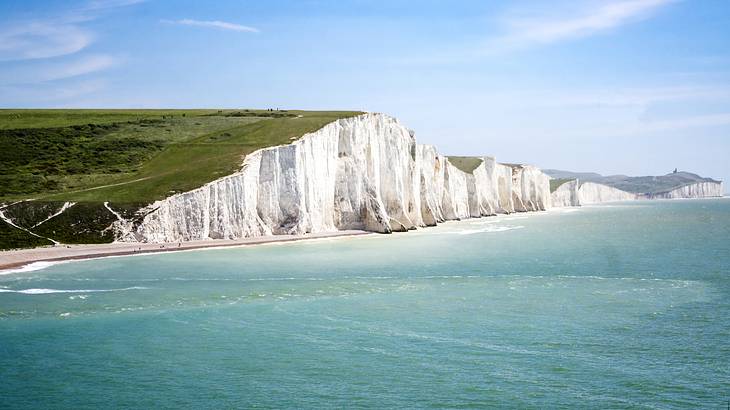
555 183
127 157
134 155
466 164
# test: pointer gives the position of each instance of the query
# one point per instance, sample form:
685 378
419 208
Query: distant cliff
693 190
577 193
648 186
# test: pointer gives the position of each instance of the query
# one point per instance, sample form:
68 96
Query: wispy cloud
524 32
55 36
82 66
45 71
109 4
222 25
49 95
34 40
37 54
526 28
645 128
640 97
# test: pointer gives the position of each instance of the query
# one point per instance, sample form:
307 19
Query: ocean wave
43 291
34 266
569 210
486 229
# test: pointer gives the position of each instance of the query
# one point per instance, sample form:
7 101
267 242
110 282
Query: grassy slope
21 119
557 182
466 164
189 165
12 238
143 158
126 157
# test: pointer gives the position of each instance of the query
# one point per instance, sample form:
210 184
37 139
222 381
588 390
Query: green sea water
613 306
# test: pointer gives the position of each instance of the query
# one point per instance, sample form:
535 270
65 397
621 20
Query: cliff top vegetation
135 155
555 183
466 164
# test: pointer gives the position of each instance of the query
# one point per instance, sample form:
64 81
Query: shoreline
20 258
15 260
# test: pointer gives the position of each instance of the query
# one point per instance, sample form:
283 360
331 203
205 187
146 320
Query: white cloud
86 65
39 72
527 32
36 40
214 24
55 94
644 128
618 97
109 4
54 36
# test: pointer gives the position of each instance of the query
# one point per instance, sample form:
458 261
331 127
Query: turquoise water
615 306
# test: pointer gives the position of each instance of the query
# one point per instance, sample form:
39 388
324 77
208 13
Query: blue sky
627 86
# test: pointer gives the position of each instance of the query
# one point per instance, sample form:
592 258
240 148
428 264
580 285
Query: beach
14 259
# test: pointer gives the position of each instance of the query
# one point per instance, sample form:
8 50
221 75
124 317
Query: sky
635 87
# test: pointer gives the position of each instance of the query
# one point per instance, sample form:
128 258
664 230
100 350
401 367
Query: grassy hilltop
135 155
126 157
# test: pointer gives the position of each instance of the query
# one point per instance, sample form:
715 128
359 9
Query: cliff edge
365 172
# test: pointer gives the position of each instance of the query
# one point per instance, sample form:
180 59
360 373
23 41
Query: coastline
20 258
15 260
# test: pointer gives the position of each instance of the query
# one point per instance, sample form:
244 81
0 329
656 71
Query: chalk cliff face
572 193
365 172
530 188
696 190
494 181
566 195
592 193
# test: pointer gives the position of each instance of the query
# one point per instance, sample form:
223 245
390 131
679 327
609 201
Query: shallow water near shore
614 306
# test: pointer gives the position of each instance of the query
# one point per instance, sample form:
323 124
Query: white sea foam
43 291
30 267
487 229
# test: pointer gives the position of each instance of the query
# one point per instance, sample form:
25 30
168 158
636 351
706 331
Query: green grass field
466 164
127 157
134 155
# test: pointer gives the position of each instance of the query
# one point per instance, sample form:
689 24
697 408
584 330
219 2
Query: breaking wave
487 229
30 267
43 291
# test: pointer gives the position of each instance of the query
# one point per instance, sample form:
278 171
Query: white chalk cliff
574 193
566 194
593 193
696 190
365 172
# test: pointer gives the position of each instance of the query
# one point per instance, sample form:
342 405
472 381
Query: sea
615 306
